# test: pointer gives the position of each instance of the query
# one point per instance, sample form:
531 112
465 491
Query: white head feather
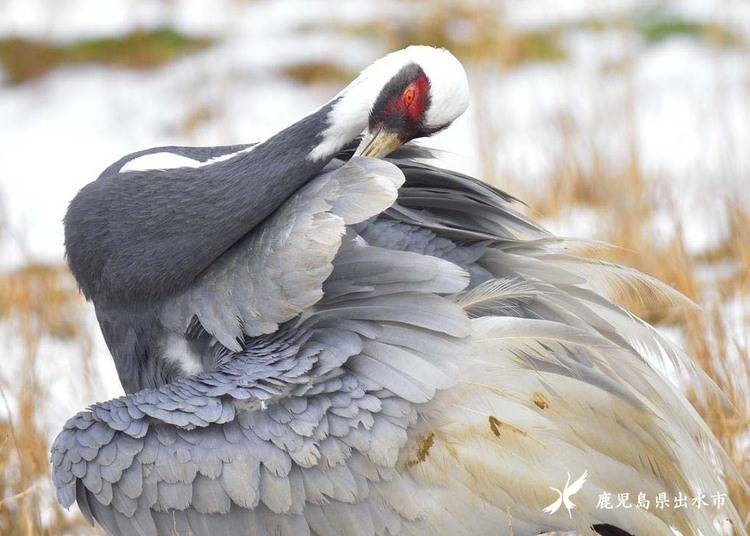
449 94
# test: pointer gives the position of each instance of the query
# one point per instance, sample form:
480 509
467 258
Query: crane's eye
408 96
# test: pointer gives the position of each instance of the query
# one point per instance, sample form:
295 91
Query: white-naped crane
318 340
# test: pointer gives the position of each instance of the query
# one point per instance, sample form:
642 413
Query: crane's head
410 93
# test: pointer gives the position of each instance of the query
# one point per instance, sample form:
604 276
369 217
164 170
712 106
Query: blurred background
624 121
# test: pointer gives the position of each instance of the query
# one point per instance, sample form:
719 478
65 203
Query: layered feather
429 366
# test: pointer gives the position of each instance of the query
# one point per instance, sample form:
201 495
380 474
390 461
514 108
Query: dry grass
37 302
477 31
318 72
472 30
26 59
727 362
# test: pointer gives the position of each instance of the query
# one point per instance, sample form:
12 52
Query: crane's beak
379 143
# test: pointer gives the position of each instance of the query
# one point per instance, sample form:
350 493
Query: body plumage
314 341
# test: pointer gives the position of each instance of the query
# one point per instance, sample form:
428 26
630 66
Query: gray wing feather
347 332
278 271
200 456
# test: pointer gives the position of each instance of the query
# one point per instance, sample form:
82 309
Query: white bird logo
564 496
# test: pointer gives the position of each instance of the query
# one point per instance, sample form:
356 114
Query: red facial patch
413 97
411 101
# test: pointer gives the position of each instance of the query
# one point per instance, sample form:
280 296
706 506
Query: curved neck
346 115
142 235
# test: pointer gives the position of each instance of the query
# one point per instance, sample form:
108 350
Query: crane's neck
335 124
309 144
346 117
323 133
142 235
163 227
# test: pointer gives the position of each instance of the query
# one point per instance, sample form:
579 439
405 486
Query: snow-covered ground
58 132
